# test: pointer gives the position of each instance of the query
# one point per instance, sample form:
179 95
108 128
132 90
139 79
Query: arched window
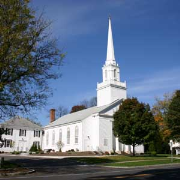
60 135
53 138
105 74
47 138
68 136
76 134
114 73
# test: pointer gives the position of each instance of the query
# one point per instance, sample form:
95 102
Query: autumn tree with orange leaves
160 110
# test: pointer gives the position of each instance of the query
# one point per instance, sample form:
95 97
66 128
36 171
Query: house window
22 132
105 142
53 138
76 134
47 138
37 133
8 143
68 136
9 131
60 135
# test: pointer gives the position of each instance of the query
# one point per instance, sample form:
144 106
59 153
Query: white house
20 135
92 129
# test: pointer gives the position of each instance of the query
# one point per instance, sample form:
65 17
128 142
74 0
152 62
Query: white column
117 145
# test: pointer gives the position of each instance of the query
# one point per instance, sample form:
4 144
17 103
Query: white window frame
68 135
60 135
53 138
8 143
22 132
47 138
37 133
9 131
76 135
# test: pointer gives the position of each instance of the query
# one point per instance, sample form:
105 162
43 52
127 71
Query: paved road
70 169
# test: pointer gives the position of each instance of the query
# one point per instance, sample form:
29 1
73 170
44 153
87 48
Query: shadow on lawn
157 174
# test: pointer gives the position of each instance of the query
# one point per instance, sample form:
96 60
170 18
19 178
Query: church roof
80 115
19 122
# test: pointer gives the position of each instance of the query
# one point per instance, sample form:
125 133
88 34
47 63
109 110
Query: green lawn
143 163
118 158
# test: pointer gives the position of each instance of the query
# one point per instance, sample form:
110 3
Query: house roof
80 115
19 122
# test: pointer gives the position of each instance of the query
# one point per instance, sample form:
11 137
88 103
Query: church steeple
111 71
111 88
110 59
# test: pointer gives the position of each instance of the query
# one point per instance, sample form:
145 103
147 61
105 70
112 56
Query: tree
89 103
93 102
61 111
134 123
29 57
173 116
77 108
159 110
60 145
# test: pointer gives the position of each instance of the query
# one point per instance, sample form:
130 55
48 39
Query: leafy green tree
173 116
134 123
29 57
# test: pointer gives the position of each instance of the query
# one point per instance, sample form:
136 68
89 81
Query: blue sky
146 40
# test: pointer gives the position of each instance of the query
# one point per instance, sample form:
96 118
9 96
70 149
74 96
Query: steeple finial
110 46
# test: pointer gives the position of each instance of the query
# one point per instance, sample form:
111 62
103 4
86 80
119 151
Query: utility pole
171 144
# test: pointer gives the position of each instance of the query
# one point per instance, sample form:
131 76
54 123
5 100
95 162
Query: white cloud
156 84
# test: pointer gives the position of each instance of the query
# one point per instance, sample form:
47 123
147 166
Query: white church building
92 129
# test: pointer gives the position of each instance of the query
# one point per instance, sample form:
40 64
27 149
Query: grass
143 163
118 158
8 165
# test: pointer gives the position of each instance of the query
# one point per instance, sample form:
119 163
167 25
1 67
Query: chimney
52 115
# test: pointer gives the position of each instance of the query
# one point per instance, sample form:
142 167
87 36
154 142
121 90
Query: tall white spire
111 88
110 47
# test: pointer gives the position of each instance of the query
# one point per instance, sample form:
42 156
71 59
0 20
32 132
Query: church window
114 73
60 135
68 136
53 138
47 138
105 74
105 142
76 134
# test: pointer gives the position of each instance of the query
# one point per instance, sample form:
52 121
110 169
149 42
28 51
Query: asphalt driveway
70 169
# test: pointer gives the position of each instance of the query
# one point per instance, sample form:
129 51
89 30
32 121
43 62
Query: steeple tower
111 88
110 47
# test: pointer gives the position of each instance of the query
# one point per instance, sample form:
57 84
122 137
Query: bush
153 153
17 152
106 153
34 148
71 150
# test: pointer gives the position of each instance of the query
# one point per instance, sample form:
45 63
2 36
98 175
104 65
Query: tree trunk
133 149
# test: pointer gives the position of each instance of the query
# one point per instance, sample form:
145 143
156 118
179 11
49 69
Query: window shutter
20 132
12 132
25 132
39 133
34 133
